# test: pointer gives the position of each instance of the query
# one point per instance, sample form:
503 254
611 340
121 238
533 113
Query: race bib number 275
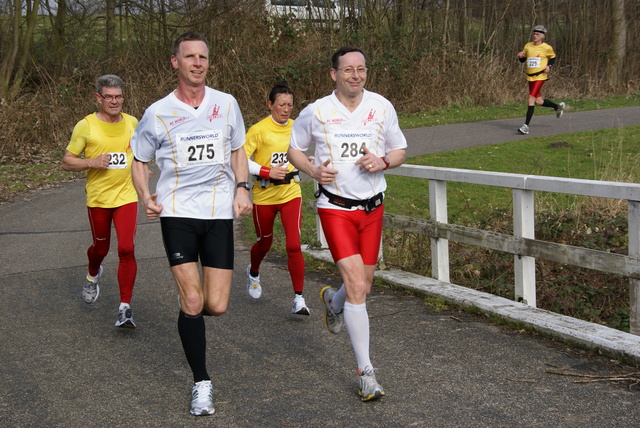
200 148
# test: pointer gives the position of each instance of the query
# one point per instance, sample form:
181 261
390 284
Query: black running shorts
187 239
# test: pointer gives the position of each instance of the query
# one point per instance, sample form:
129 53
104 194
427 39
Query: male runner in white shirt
196 134
357 137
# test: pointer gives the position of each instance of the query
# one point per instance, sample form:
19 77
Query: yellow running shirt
537 58
268 143
111 187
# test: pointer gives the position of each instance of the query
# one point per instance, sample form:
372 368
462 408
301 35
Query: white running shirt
192 148
339 134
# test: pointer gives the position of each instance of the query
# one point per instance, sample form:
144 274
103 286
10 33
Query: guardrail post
634 251
439 246
524 266
319 232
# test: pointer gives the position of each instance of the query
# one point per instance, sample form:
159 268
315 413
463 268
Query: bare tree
618 42
110 26
12 67
59 35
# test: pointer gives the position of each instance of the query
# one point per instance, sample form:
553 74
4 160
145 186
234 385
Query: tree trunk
12 68
59 39
27 42
618 43
8 61
110 27
445 25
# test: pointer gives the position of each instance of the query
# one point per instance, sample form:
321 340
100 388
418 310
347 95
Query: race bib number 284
349 147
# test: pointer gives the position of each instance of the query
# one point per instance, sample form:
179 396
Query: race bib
200 148
534 62
277 158
347 147
117 160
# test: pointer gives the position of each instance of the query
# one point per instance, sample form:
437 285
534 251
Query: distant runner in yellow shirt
539 58
276 190
104 138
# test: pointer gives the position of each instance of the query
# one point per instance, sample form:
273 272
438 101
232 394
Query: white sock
356 319
337 303
123 306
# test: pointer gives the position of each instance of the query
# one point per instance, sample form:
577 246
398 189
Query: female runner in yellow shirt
276 190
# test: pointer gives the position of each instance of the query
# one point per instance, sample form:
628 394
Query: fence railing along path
522 244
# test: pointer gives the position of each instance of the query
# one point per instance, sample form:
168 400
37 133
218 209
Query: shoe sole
370 397
303 311
126 324
252 296
202 412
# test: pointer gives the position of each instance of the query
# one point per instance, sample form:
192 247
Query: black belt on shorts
286 180
368 204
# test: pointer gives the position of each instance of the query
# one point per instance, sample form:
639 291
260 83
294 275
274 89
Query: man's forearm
140 177
240 165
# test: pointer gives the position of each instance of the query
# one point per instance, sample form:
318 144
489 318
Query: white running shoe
332 321
91 290
202 399
368 387
560 110
125 320
253 284
524 129
299 307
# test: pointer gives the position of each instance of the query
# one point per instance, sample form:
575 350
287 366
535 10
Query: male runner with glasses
356 137
539 57
105 137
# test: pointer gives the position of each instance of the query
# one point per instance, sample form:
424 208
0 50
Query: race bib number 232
117 160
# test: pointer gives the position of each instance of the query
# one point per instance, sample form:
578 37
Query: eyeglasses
351 70
110 98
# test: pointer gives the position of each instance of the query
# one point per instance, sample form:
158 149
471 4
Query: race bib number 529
200 148
534 62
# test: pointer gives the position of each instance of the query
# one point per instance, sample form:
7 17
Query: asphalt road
64 364
451 137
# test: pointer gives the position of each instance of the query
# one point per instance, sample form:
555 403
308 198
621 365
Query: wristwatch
386 161
243 184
